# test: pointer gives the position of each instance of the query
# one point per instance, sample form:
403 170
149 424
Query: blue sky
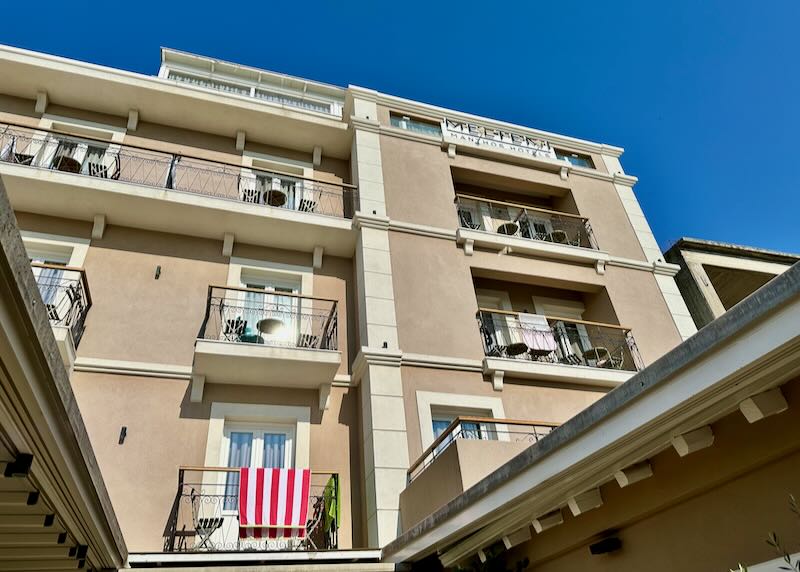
704 96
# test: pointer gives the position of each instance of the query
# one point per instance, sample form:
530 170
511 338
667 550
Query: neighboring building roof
699 381
43 417
726 248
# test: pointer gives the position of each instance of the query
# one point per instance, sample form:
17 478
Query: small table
276 198
67 164
508 228
517 348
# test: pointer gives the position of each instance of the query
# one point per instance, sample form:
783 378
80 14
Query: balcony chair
204 526
603 358
307 206
234 330
104 171
465 217
559 237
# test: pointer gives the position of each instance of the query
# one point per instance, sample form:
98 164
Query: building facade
715 276
243 268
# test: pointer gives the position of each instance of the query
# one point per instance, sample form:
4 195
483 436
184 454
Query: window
577 159
441 420
254 446
416 125
76 155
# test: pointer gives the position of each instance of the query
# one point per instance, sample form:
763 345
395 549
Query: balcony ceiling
115 92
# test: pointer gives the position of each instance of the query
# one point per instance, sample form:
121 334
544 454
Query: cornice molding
433 111
391 131
134 368
422 230
374 356
365 124
623 179
365 220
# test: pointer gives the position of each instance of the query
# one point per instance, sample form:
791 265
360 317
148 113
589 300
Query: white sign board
488 137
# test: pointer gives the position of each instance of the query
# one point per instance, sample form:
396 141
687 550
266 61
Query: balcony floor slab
81 197
514 244
555 372
265 365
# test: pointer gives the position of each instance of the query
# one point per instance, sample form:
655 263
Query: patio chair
204 526
234 329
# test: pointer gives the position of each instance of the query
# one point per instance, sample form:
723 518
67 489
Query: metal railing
480 428
205 514
102 159
523 221
534 337
66 297
247 315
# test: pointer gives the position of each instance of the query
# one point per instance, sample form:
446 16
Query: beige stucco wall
423 267
135 317
165 430
707 511
419 189
523 400
172 140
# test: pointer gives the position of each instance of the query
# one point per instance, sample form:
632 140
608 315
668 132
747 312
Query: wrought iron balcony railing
539 338
480 428
131 164
205 514
523 221
66 297
283 319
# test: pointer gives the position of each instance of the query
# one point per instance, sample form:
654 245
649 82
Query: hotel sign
498 138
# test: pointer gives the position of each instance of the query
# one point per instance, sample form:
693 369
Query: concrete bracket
317 257
316 157
693 441
497 380
240 140
546 521
633 474
41 102
227 244
99 226
324 396
600 266
564 172
198 384
133 119
763 405
469 247
451 150
585 501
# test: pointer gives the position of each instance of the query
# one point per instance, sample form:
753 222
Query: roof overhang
116 92
39 415
752 348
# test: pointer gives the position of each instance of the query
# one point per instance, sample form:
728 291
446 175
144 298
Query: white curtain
239 455
274 450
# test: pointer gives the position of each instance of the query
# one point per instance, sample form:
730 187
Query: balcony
532 346
512 227
66 297
205 515
275 339
468 450
48 172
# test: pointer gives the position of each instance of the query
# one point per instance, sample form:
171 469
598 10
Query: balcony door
50 280
498 329
573 338
246 445
278 304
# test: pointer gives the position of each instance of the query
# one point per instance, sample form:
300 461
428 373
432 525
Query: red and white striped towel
270 498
